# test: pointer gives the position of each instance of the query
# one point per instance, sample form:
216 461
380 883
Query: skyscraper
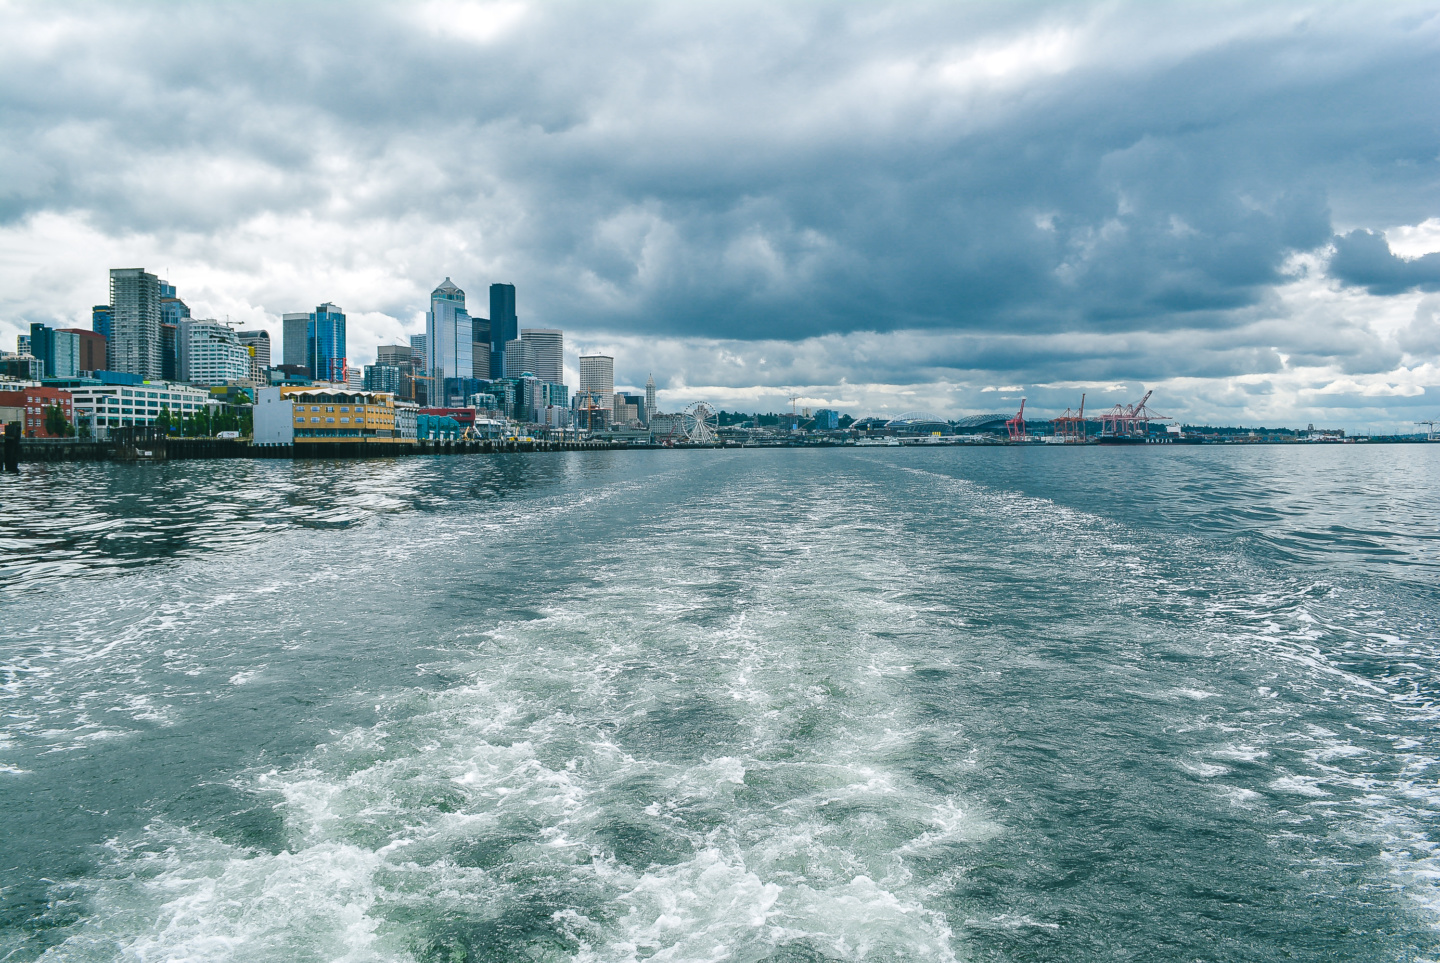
649 398
597 374
547 353
420 344
325 353
504 326
448 343
295 339
135 330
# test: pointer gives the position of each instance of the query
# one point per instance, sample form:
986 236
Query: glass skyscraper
135 346
325 350
448 336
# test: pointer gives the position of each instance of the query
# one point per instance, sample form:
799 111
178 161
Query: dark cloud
1364 259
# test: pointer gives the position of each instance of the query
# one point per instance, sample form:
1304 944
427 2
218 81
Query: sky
880 207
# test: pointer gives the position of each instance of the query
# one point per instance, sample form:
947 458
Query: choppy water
1011 704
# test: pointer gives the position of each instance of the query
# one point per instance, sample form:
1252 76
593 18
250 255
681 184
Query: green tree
56 424
162 420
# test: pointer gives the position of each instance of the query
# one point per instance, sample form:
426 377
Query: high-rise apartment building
210 353
326 350
420 344
547 353
135 326
597 375
504 325
258 344
295 339
448 339
649 398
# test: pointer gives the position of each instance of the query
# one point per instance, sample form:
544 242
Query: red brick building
92 349
33 402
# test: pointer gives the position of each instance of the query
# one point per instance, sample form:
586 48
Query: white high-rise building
547 353
448 334
520 358
210 353
649 398
597 374
135 329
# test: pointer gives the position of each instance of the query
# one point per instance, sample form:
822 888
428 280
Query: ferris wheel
700 424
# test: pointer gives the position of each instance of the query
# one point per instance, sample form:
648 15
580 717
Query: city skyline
880 209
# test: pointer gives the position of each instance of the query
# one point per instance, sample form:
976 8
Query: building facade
649 398
339 414
32 402
92 350
295 339
58 351
547 353
258 344
597 374
135 323
119 406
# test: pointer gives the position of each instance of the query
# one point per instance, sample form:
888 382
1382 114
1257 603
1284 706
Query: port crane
1016 426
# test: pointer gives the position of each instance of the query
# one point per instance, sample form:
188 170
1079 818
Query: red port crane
1070 426
1016 426
1129 421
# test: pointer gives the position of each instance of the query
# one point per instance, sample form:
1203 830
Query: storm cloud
891 194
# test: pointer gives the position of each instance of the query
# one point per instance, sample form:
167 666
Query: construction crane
1016 426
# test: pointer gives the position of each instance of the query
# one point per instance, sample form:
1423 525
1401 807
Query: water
1012 704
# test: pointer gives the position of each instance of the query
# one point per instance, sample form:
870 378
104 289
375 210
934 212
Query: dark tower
504 326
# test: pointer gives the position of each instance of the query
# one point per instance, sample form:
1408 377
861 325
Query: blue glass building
325 348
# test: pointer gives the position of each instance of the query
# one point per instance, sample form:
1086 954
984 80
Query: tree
56 424
162 420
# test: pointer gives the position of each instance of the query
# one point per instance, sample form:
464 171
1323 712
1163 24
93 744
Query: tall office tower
519 358
22 345
295 339
172 309
58 351
169 351
504 326
547 353
135 331
597 374
382 377
421 346
649 398
258 342
325 353
448 339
